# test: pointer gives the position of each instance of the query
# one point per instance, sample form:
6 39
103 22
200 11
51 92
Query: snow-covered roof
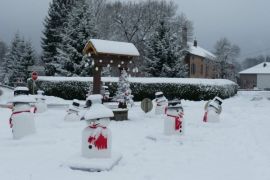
199 51
112 47
262 68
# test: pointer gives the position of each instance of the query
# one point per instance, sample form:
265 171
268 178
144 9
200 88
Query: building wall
248 81
263 81
200 67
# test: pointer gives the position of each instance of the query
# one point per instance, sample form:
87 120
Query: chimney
184 35
195 43
264 64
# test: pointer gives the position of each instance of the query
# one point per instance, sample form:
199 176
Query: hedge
72 89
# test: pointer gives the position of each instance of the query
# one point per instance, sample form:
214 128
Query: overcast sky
244 22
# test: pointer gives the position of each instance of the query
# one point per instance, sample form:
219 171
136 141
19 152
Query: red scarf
205 117
13 113
94 126
178 121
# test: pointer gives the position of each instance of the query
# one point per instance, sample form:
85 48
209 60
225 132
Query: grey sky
244 22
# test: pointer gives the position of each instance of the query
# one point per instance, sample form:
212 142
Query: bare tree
226 53
252 61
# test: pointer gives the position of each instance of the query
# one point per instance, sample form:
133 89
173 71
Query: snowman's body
73 112
174 120
96 141
22 119
41 105
161 103
213 109
96 137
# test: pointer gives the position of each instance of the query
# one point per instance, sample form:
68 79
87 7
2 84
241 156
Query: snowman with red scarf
173 122
212 109
22 118
96 137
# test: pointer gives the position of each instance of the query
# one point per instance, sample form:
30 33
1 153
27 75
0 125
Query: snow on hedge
183 88
144 80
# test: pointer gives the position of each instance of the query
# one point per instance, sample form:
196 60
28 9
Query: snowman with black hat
73 111
174 119
22 118
213 109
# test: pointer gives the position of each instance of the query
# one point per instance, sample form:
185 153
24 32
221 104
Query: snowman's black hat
175 103
76 103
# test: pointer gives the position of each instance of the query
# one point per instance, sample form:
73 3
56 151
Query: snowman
22 119
73 111
41 105
161 103
212 109
96 137
173 122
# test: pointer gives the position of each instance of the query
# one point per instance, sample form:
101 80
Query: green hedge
79 89
182 91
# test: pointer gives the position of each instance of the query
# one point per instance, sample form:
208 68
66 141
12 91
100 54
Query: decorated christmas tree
123 94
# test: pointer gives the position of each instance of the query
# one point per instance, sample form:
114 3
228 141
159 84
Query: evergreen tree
3 51
57 16
123 93
165 54
19 57
79 28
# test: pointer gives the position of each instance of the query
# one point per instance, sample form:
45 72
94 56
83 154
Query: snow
143 80
23 98
77 162
98 111
158 93
237 147
199 51
258 69
21 88
114 47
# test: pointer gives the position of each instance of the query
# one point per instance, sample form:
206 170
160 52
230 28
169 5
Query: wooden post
97 79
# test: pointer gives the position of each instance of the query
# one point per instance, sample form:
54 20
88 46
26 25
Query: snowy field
236 148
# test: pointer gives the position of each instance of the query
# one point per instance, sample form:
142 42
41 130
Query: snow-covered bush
182 91
184 88
64 89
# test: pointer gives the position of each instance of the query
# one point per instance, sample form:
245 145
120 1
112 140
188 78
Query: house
201 63
256 76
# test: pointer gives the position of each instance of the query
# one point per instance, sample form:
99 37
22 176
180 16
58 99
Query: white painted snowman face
103 122
175 111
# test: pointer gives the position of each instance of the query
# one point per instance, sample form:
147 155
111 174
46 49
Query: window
202 69
193 68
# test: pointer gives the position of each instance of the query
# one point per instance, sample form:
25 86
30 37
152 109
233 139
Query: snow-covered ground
236 148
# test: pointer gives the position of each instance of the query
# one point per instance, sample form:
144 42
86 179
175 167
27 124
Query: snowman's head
103 122
174 111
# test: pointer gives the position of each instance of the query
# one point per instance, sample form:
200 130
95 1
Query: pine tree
79 28
57 16
3 51
123 93
19 57
165 54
